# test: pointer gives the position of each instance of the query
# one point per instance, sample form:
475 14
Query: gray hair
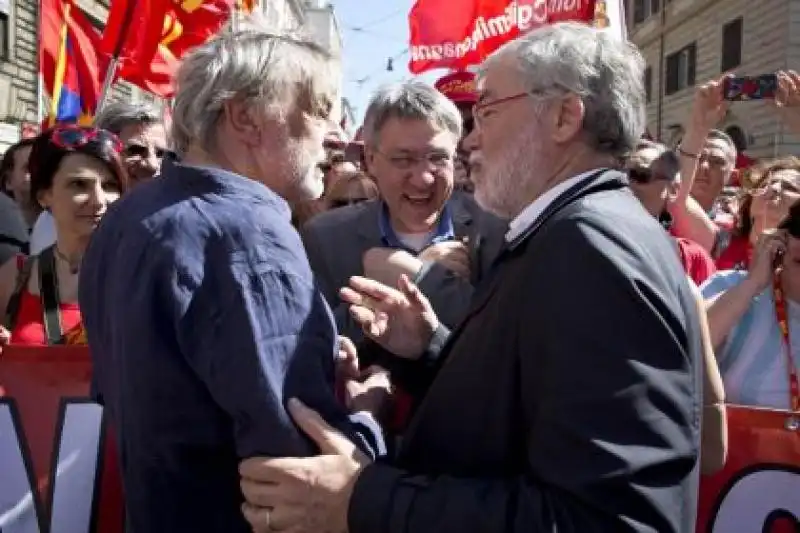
606 73
272 71
412 100
116 116
719 135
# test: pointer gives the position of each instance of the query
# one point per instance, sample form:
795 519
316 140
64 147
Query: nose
423 176
97 197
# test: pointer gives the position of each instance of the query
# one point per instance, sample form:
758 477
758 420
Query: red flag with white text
58 461
454 34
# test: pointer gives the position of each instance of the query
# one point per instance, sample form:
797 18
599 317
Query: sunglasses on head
72 137
140 150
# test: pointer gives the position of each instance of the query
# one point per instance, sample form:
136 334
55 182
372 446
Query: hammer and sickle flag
151 53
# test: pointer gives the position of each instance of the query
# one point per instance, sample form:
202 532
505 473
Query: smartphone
750 88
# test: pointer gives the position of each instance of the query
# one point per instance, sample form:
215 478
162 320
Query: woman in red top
75 174
775 188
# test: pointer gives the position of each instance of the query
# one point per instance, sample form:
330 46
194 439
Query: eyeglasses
713 161
140 150
344 202
407 161
72 137
479 109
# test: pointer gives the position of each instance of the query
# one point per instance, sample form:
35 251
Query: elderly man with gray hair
201 309
141 130
568 399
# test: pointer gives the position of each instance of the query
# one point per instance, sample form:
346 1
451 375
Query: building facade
687 42
21 103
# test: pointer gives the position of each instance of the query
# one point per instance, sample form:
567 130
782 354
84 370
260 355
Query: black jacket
569 398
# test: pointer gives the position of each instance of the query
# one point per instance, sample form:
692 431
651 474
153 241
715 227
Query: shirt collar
224 181
444 231
530 214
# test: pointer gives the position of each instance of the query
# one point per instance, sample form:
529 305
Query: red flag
457 33
130 33
186 26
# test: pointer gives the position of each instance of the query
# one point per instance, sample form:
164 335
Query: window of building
732 44
5 29
648 84
643 9
681 69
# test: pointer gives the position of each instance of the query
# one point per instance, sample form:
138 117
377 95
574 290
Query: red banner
457 33
59 470
187 24
759 488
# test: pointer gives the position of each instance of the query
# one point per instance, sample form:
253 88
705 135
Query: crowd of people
500 307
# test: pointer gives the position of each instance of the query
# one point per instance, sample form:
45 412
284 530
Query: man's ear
241 121
568 122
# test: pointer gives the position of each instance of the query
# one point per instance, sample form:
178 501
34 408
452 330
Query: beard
498 184
306 175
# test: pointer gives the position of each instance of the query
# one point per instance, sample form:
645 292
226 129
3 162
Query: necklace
73 267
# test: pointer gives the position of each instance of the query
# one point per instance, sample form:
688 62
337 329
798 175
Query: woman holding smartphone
754 320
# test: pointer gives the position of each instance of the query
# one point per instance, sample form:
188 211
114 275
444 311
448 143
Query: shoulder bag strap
48 290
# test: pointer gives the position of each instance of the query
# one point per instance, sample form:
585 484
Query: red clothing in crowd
29 322
696 261
29 326
736 254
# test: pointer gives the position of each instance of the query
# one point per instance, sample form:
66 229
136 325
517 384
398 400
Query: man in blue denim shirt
202 312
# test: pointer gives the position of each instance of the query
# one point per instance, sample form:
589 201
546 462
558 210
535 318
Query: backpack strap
24 268
48 291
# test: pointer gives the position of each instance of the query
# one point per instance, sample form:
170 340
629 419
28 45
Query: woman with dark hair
75 173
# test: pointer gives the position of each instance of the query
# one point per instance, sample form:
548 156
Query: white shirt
43 234
530 214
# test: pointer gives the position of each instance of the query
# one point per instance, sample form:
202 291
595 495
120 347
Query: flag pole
113 63
39 77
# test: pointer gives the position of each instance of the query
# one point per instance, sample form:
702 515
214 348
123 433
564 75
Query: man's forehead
717 147
414 135
499 79
144 133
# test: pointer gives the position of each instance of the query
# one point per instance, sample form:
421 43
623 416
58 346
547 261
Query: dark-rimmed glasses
72 137
479 109
406 161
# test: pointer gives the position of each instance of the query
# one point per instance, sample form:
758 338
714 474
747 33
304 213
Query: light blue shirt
752 360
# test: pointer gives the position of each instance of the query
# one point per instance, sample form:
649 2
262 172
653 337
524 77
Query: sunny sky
371 36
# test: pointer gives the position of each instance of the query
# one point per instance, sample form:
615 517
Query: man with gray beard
201 309
568 399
